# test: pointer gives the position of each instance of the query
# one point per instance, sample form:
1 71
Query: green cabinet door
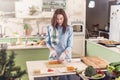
94 49
23 55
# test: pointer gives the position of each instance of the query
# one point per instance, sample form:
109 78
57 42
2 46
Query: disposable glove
53 53
62 57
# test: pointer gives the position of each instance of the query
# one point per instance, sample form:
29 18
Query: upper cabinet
45 8
76 10
28 9
38 8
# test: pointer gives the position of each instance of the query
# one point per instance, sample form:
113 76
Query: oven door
77 28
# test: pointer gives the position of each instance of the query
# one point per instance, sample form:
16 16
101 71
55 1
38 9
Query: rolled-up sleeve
70 40
48 41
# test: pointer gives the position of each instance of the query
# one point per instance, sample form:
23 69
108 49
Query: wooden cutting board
54 64
96 62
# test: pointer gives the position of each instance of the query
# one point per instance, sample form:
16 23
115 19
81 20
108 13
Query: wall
13 27
97 15
7 6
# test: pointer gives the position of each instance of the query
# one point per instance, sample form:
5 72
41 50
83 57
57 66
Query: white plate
91 77
118 46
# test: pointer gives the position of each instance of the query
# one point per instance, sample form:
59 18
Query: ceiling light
91 4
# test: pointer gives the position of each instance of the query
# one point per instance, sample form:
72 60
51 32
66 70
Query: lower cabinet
94 49
78 46
23 55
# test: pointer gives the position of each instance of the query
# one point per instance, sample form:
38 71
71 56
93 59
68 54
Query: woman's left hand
62 57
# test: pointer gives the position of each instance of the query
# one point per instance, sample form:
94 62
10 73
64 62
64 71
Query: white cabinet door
78 46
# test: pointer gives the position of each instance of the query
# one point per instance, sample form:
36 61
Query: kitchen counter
114 49
95 41
23 45
37 69
26 47
33 66
111 54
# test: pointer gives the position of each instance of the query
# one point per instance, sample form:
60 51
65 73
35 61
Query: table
58 71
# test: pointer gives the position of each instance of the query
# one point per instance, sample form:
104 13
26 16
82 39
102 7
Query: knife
55 58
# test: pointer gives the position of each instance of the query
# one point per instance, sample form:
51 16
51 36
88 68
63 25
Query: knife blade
57 59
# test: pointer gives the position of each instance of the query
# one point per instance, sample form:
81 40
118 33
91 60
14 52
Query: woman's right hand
53 53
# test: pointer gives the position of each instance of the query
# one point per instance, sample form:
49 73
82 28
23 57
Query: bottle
19 40
106 28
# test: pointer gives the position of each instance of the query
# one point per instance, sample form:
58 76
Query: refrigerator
114 33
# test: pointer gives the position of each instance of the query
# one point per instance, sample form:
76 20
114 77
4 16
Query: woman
59 37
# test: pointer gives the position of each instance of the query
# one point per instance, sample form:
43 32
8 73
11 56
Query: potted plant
26 29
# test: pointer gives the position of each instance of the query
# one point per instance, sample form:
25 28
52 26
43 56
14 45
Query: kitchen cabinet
78 45
45 8
38 8
110 54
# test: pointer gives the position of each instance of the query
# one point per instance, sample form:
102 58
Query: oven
77 28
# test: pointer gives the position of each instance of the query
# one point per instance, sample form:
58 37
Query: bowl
92 77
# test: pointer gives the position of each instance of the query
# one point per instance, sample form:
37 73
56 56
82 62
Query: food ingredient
97 76
114 64
110 68
52 62
36 72
117 69
70 68
90 71
114 69
50 70
99 72
118 78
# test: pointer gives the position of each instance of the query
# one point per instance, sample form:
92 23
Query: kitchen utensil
96 62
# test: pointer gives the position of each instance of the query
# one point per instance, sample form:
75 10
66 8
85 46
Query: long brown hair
54 19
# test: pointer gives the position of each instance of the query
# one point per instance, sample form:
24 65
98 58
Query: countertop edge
24 47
